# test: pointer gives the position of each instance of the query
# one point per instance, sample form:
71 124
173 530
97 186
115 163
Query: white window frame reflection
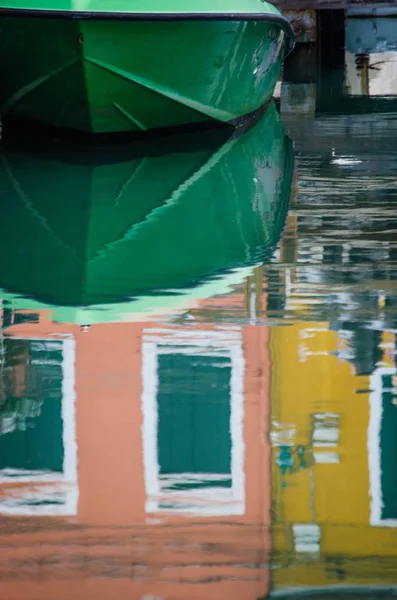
48 493
374 448
307 537
213 501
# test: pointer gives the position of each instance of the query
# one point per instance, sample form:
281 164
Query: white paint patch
306 538
326 458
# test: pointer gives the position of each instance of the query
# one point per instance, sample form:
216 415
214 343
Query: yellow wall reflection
326 472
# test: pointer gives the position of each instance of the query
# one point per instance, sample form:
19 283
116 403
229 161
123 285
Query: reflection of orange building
124 529
14 380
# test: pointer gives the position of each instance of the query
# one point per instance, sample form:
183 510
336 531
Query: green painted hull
80 232
108 76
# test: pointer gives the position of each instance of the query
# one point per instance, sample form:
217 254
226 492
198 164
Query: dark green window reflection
31 406
388 450
194 418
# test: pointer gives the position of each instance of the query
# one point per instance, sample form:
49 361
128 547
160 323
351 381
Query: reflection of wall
371 74
371 35
114 547
326 437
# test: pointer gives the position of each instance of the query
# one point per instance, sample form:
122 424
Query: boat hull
107 76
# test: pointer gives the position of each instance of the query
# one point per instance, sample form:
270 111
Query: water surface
198 386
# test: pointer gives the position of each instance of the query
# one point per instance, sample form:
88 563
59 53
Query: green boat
96 66
136 228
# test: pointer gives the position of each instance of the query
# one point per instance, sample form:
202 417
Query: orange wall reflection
113 548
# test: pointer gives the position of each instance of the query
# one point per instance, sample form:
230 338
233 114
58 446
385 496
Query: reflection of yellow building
329 443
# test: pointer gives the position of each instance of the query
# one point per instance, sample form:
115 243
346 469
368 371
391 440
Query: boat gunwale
279 19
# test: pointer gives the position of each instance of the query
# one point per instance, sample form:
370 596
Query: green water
198 384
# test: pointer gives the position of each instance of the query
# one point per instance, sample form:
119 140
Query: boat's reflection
114 233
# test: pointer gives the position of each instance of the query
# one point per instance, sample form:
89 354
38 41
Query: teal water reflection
198 384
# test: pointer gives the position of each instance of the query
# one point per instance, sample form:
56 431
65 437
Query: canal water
198 385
